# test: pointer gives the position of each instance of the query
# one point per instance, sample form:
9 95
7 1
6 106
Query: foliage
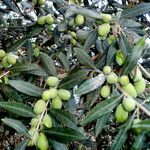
66 66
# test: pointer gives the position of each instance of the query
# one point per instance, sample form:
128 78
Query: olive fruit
49 19
71 22
11 59
33 135
124 80
36 51
107 70
136 74
130 90
79 20
41 2
121 115
42 142
73 42
105 91
104 29
140 86
119 58
56 103
52 81
128 104
64 94
73 34
34 122
39 106
49 94
5 63
112 78
136 121
41 20
2 53
106 17
111 39
47 121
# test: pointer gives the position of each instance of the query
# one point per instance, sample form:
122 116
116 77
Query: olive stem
144 70
4 74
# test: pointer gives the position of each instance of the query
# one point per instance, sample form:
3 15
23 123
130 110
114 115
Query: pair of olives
45 20
7 59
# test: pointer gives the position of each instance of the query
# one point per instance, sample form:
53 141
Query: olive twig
4 74
144 70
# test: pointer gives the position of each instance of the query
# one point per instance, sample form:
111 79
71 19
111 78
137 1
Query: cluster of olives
7 59
132 89
36 50
45 19
55 97
73 39
104 28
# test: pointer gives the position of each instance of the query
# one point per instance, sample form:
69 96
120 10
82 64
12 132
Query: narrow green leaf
100 109
84 58
17 108
58 146
26 87
100 123
144 125
64 60
73 79
91 39
137 10
90 84
122 135
139 142
48 64
22 145
65 134
134 56
17 125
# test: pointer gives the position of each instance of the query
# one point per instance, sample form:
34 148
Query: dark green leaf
58 146
73 79
100 123
144 125
22 145
17 108
17 125
91 39
26 87
84 58
134 56
100 109
90 84
65 134
137 10
64 60
48 64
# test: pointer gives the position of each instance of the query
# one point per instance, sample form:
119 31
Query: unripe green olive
105 91
47 121
121 115
119 58
79 20
49 19
130 90
41 20
11 59
106 17
2 53
136 130
42 142
64 94
36 51
57 103
33 135
39 106
136 74
73 34
49 94
128 104
111 39
73 42
124 80
41 2
140 86
34 122
107 70
52 81
112 78
104 29
5 64
71 22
